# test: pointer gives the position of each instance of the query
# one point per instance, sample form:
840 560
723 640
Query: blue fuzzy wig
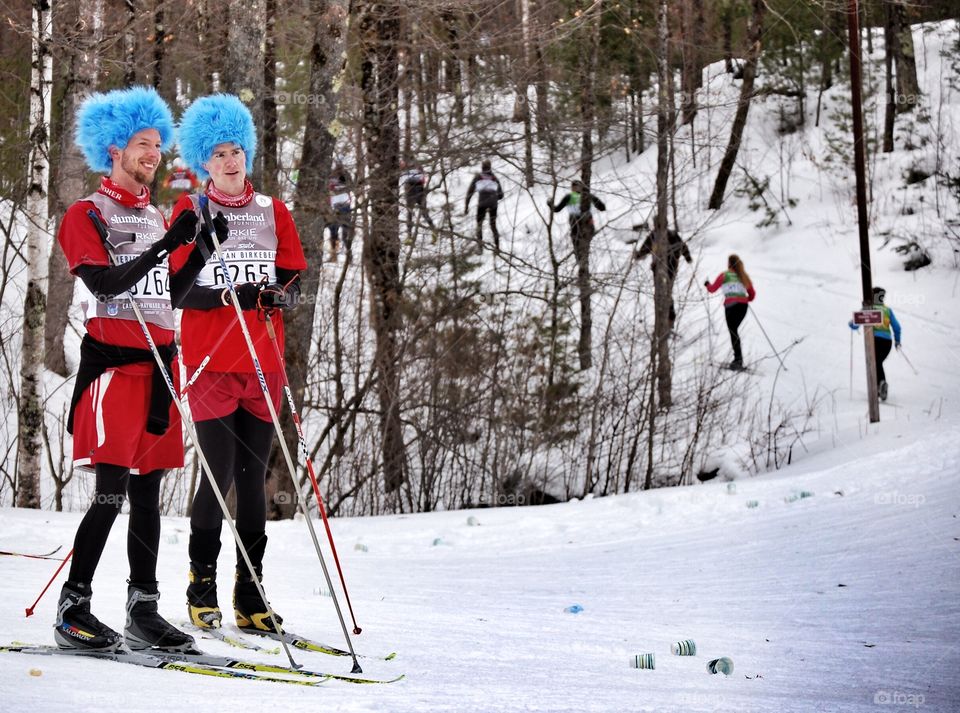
111 119
213 120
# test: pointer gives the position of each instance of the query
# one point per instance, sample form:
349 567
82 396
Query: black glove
182 232
205 244
248 295
550 205
277 296
706 283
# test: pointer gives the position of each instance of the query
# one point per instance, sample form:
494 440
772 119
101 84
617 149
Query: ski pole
208 221
851 363
909 363
775 352
205 466
55 574
271 332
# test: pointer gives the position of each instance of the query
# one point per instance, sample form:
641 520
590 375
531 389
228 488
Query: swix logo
245 218
246 246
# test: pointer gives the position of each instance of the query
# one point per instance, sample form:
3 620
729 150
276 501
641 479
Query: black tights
735 314
881 348
237 448
114 485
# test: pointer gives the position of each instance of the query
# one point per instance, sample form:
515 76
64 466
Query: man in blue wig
125 427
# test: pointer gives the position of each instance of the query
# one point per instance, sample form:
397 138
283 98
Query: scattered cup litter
687 647
722 665
472 521
360 547
643 661
574 609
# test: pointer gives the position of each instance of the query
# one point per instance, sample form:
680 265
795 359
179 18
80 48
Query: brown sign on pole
872 317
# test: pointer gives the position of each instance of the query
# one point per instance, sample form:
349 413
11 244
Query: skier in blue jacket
882 339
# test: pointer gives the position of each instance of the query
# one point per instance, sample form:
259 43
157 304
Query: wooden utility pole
853 23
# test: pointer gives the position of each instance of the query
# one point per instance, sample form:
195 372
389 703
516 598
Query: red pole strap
59 569
306 455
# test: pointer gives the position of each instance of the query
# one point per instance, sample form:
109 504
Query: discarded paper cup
684 648
732 488
753 503
643 661
722 665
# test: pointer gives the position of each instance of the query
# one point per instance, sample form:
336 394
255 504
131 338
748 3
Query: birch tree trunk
71 179
30 407
743 105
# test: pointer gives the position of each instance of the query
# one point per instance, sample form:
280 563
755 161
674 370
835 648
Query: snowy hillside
836 591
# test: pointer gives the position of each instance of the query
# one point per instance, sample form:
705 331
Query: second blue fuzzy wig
213 120
112 118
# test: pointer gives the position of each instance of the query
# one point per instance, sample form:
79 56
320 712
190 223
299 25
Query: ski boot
202 597
252 615
736 365
145 628
76 627
882 390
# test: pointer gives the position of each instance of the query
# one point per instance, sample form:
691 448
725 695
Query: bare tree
82 64
327 49
743 105
380 31
663 288
243 65
29 447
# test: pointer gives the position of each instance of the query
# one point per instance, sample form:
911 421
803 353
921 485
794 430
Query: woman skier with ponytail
738 292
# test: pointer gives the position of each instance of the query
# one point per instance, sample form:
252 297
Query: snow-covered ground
839 601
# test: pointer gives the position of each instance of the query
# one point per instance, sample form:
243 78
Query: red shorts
110 425
216 394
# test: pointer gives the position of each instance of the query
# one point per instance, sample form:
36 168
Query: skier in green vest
882 340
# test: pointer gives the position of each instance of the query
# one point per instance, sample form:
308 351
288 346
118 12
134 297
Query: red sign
868 316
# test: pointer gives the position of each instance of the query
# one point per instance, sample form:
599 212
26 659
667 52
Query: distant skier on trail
414 182
675 249
738 292
489 193
577 203
339 186
882 337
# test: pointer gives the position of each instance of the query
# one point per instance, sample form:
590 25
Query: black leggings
881 348
735 314
482 212
114 485
237 448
